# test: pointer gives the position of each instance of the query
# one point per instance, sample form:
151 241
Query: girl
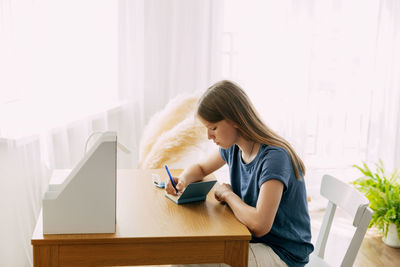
267 191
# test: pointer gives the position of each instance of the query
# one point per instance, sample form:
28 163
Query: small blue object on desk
160 184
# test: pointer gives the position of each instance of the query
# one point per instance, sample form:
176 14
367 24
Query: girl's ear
234 125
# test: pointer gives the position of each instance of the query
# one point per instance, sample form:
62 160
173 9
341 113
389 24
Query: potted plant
383 193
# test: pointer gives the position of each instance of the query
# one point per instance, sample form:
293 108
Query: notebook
193 192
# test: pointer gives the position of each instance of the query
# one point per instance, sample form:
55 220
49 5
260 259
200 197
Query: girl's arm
259 219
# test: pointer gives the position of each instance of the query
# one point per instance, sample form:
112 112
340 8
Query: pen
172 180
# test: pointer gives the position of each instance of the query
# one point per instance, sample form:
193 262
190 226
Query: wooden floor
373 251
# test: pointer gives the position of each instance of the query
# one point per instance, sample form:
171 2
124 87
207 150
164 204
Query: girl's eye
215 128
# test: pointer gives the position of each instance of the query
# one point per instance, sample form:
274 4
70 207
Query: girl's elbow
260 230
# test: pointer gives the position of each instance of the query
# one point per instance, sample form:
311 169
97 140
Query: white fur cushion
172 134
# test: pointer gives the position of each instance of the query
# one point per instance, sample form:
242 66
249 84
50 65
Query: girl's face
223 133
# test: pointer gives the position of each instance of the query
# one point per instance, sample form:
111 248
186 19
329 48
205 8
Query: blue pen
172 180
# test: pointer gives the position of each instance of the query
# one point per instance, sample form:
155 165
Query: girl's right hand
180 186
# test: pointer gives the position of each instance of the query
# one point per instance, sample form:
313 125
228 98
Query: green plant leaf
383 193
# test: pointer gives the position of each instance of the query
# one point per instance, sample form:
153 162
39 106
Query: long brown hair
227 101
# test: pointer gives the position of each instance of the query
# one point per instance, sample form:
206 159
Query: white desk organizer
83 200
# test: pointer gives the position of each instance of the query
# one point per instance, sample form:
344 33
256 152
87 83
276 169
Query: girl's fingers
170 188
180 186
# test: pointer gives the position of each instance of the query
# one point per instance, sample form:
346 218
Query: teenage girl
267 191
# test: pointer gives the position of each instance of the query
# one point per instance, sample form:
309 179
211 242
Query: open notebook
193 192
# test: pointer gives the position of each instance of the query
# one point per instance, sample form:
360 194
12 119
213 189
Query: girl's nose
209 135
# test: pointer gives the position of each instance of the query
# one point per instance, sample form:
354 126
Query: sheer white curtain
168 48
384 128
58 83
126 62
325 75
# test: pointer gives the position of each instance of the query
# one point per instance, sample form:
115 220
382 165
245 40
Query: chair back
340 194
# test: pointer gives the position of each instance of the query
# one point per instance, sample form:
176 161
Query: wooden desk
151 229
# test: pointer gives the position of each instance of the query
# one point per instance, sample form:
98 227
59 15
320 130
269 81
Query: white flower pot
392 239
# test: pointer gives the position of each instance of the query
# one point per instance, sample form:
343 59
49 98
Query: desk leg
237 253
45 256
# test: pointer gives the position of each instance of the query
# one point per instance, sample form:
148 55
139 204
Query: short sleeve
224 154
276 165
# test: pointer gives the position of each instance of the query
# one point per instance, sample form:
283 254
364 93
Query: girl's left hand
221 191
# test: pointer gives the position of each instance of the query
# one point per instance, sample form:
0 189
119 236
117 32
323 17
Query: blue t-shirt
290 235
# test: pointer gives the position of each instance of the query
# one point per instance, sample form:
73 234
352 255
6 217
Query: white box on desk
83 200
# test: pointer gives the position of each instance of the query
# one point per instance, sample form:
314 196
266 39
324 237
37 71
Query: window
309 69
60 61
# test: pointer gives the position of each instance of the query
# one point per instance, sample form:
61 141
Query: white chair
355 204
